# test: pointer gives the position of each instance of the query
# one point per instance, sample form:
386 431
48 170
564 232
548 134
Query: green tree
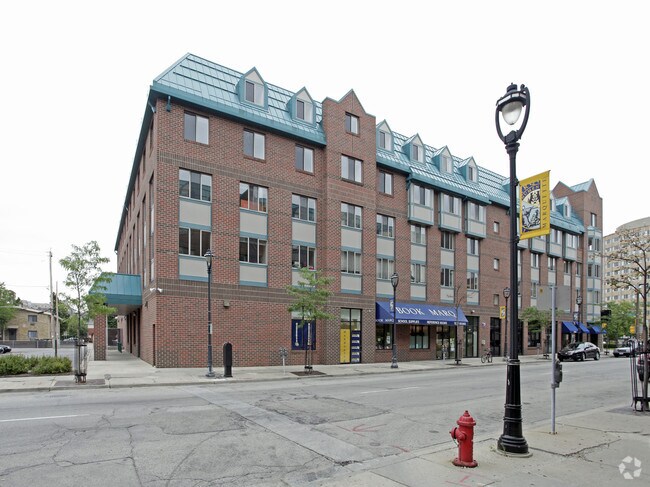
8 301
86 280
620 319
310 299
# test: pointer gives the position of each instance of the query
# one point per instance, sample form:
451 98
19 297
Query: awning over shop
568 327
583 328
419 314
122 291
597 330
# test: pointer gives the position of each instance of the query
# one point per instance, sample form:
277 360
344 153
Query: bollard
227 359
464 434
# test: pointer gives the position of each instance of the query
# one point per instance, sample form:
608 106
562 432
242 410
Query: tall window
350 216
254 93
351 169
385 140
534 261
419 338
450 204
472 174
447 277
385 226
304 111
385 268
567 267
303 208
351 124
417 152
472 246
254 144
196 128
383 336
385 182
192 241
194 185
418 273
304 159
594 220
421 195
350 262
447 164
418 235
496 227
447 240
303 256
252 250
496 264
475 212
472 281
552 263
252 197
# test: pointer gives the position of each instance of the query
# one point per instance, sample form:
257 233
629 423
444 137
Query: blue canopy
568 327
597 330
419 314
583 328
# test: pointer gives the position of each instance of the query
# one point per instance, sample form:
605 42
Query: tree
538 320
310 298
631 261
8 301
87 281
620 319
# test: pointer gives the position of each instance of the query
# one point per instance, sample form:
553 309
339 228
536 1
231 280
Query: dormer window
417 152
351 124
446 164
254 93
385 140
303 107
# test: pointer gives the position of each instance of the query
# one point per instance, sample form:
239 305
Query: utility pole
52 326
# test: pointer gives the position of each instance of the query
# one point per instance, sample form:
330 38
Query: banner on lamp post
535 206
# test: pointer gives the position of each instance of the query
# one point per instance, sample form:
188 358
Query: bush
19 364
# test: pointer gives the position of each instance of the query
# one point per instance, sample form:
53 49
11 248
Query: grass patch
19 364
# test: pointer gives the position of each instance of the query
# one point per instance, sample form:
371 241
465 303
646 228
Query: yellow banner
535 206
502 312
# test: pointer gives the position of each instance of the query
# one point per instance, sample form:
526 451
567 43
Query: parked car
5 349
626 349
579 351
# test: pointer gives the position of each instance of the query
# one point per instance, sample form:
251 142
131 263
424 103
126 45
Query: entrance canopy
597 330
123 291
583 328
419 314
568 327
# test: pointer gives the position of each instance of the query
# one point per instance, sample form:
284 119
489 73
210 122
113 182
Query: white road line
42 417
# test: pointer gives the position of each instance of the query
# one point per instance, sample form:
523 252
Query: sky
76 74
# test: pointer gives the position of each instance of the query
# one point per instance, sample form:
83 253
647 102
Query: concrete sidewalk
606 446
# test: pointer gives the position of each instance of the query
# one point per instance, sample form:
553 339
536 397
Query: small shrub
13 365
52 365
19 364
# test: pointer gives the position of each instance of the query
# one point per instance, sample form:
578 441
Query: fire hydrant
464 434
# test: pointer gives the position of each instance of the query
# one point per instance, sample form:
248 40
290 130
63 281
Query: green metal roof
123 291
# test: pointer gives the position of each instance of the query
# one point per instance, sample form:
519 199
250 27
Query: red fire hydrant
464 435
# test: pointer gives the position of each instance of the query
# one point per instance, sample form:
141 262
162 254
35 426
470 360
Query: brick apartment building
271 180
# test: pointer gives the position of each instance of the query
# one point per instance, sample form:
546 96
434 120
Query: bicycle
487 356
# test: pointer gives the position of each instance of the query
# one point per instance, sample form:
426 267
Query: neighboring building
28 324
272 180
611 242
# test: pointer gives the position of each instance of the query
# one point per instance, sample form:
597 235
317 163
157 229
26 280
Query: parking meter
557 375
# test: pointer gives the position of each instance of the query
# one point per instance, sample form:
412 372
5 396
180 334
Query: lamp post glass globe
506 292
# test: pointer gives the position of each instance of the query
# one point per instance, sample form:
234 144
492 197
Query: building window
254 93
351 124
447 240
303 208
594 220
385 140
196 128
450 204
556 236
385 268
418 235
421 195
418 273
383 336
496 264
567 267
350 262
472 173
534 261
32 334
419 337
475 212
194 185
552 263
192 241
254 144
32 319
593 244
534 338
417 152
303 256
472 246
593 270
385 182
351 169
495 227
304 159
447 277
447 164
578 268
304 111
350 216
385 226
472 281
253 197
495 299
252 250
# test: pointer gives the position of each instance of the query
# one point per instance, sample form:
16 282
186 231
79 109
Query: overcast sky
75 78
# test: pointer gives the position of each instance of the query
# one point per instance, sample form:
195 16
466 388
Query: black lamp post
394 280
579 303
510 106
208 260
506 294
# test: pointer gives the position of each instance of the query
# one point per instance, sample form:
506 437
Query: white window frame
350 262
191 180
306 253
385 226
352 124
418 234
257 92
351 164
257 143
306 208
258 197
447 277
385 183
472 280
473 246
421 195
304 159
261 244
418 273
385 268
354 212
385 140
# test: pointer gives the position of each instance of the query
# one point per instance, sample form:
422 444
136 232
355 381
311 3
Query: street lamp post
579 303
394 280
509 107
208 261
506 295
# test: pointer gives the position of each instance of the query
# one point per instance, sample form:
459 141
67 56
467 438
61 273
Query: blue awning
583 328
597 330
568 327
419 314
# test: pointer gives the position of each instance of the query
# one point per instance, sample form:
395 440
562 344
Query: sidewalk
595 447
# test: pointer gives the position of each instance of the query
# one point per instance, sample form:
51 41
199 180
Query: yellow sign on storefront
345 346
